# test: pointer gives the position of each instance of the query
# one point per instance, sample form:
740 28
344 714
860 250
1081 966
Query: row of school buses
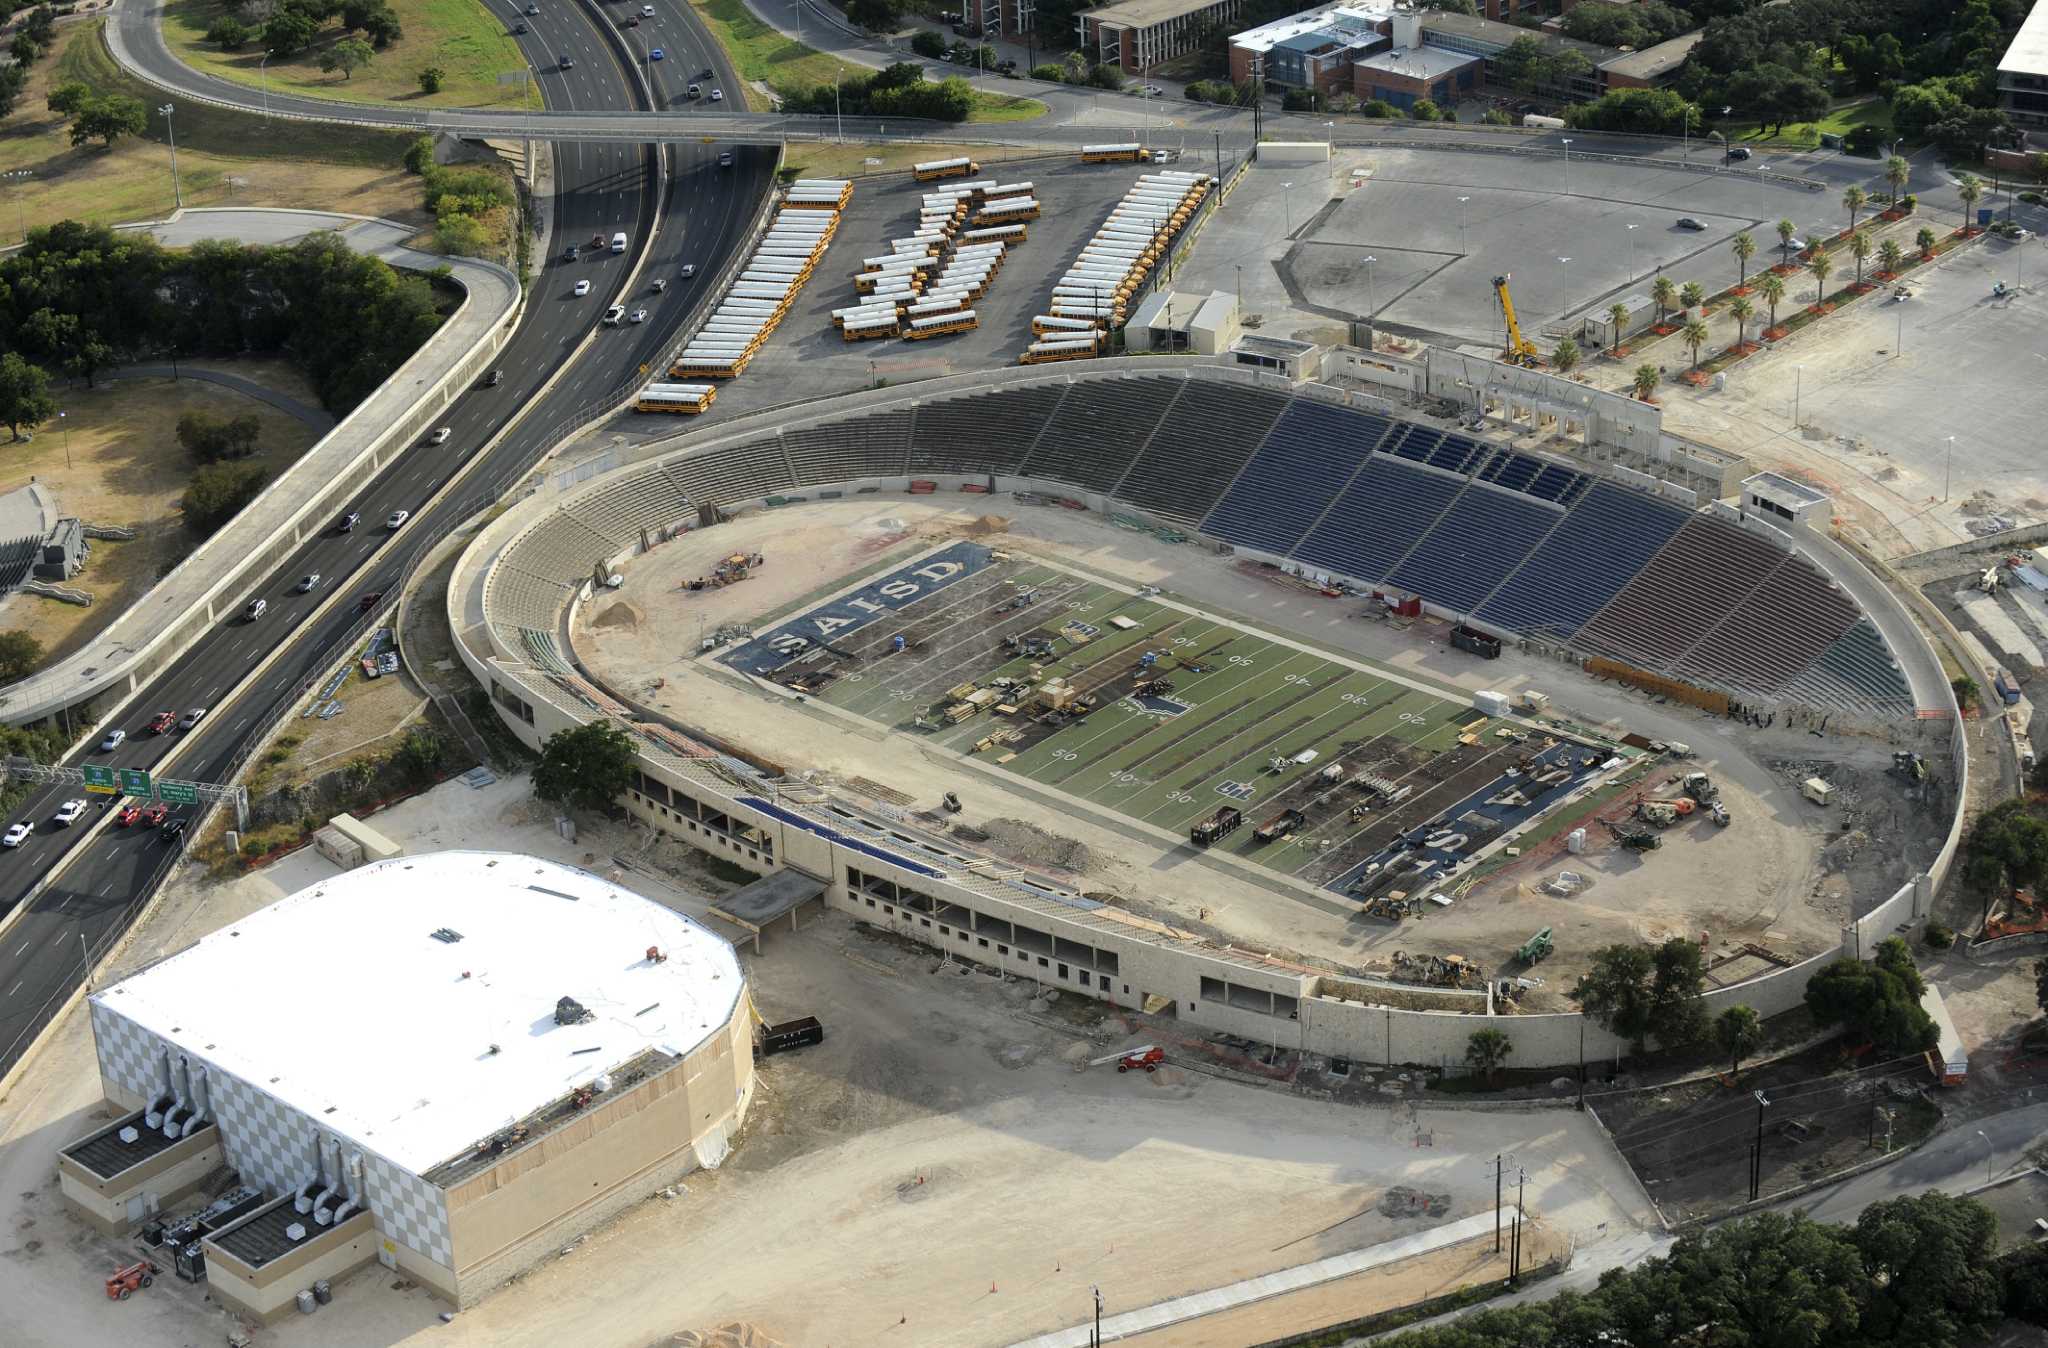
758 298
1088 302
926 285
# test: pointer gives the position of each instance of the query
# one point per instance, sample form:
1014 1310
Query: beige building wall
266 1294
582 1174
170 1174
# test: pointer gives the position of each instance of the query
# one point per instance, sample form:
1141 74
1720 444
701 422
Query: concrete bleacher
562 548
516 598
1090 440
1311 452
734 472
17 559
991 433
1765 641
630 505
1485 535
1856 672
1605 540
1705 571
1202 444
1380 516
840 451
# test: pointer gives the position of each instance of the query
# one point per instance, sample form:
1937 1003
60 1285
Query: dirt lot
1781 876
941 1141
114 459
1690 1145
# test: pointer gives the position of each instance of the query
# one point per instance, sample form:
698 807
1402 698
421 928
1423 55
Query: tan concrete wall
582 1174
170 1175
270 1292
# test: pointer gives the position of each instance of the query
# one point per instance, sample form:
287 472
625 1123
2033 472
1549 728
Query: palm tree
1665 294
1487 1051
1744 248
1822 264
1924 241
1853 200
1691 294
1896 171
1738 1031
1969 188
1617 314
1743 311
1773 288
1695 337
1890 257
1786 229
1565 356
1646 378
1859 248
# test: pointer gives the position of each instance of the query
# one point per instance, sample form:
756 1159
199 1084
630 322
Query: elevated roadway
67 892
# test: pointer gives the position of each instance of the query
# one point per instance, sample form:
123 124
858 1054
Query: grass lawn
466 39
224 158
811 160
763 55
1839 122
114 459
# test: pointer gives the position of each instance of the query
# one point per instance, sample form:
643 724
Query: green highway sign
99 779
178 793
134 782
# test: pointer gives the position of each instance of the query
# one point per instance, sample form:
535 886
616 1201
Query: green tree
418 758
586 768
1665 295
1566 356
1924 240
108 117
25 401
1853 200
229 33
2037 164
2007 849
288 32
1053 73
1617 318
1486 1052
1743 245
348 56
1646 379
1929 1275
1737 1033
419 156
13 79
2041 985
217 492
1878 1001
1692 294
431 78
1859 248
1638 991
1426 111
1694 334
1786 231
1969 188
20 653
1890 257
67 98
1897 172
928 43
209 439
1821 265
1772 287
1742 311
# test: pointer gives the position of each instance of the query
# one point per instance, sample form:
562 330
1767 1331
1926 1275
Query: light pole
1567 165
14 177
1096 1338
1948 464
1632 251
1990 1154
1287 205
177 193
63 426
1371 292
1756 1158
1798 375
1462 249
263 78
1240 285
838 80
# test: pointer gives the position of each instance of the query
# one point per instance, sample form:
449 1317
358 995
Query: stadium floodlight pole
838 122
1567 165
1756 1160
177 192
263 78
1372 302
1462 249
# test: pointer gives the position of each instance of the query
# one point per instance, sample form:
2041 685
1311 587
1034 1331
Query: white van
619 243
256 609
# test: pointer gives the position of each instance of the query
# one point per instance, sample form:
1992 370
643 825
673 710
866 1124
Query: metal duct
180 1111
202 1104
329 1183
342 1213
155 1117
302 1202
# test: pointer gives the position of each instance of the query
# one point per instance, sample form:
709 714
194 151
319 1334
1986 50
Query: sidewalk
163 621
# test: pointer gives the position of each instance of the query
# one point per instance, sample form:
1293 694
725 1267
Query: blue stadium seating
1511 470
1606 539
1378 519
1202 443
1484 536
1313 449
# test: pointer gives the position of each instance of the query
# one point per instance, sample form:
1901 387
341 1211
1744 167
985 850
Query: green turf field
1259 698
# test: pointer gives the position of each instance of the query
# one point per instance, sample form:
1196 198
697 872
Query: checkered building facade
273 1144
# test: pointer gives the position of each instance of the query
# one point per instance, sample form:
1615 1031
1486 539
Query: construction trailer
1948 1060
1217 826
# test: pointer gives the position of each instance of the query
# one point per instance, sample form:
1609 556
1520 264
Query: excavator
1518 351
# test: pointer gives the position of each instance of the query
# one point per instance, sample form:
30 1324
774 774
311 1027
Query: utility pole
177 192
1756 1159
1499 1173
1095 1339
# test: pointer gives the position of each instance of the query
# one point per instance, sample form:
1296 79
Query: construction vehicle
1537 948
1279 826
1988 582
1332 775
1701 788
1633 838
1719 814
1665 813
1909 766
1518 351
1144 1058
124 1281
1217 826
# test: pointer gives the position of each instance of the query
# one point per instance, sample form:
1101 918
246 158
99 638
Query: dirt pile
734 1335
1026 843
616 615
986 525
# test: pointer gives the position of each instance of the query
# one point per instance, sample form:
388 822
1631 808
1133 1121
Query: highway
550 378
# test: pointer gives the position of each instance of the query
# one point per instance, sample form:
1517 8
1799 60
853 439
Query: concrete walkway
159 624
318 419
1163 1314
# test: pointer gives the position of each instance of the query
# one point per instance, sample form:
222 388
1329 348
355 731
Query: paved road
600 188
315 417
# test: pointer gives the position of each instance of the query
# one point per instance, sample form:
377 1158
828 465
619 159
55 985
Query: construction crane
1518 350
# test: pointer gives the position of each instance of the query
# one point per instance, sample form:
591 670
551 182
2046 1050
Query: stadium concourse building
449 1063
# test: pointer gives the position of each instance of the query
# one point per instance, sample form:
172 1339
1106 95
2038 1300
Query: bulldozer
1701 788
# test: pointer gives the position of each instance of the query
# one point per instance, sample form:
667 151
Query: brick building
1139 34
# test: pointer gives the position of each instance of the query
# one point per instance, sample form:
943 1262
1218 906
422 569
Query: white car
440 437
718 95
397 518
583 287
70 812
114 740
689 270
614 314
1151 91
18 835
309 583
647 11
637 316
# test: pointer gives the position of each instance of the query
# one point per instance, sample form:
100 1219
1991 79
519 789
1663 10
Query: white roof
1418 63
1353 18
2028 54
341 996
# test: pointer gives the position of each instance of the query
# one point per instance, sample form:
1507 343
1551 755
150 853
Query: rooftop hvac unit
295 1232
569 1011
129 1135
